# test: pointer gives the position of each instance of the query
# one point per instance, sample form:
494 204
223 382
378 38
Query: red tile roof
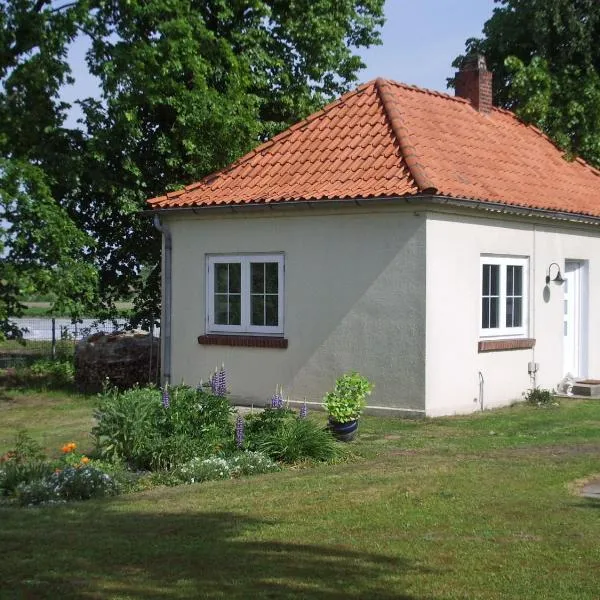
387 139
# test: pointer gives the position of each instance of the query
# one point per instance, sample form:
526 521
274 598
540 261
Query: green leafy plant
264 424
540 397
148 429
348 398
300 439
68 484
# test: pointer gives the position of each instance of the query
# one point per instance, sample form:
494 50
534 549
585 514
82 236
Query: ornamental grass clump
298 440
348 398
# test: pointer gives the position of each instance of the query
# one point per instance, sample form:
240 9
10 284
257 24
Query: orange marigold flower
85 460
69 447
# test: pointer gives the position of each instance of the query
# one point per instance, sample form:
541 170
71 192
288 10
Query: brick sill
242 341
501 345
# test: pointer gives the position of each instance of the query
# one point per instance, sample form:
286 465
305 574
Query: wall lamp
558 278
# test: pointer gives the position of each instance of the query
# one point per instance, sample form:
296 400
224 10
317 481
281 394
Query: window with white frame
504 301
245 293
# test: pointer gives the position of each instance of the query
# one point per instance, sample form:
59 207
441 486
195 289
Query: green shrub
263 425
239 465
347 400
13 474
54 373
148 431
71 483
540 397
244 464
300 439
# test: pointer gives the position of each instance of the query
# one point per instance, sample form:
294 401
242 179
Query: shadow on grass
95 551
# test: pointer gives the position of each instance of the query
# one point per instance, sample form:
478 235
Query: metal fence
46 337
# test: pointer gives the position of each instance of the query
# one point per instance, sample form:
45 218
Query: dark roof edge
495 207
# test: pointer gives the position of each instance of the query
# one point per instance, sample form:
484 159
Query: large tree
546 61
186 86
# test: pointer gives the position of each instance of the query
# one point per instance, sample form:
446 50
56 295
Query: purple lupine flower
218 382
239 431
303 411
166 400
277 399
222 382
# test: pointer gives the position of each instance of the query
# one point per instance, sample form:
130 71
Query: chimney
474 82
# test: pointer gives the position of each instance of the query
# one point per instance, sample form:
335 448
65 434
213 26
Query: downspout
167 286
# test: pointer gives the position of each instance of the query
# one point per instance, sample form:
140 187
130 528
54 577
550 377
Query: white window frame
245 260
503 331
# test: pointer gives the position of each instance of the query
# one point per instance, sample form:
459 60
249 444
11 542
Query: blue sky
420 40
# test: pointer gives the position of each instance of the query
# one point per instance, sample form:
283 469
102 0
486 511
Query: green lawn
466 507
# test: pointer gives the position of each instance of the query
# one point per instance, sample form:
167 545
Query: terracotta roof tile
387 139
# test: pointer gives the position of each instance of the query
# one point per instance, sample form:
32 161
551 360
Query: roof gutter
495 207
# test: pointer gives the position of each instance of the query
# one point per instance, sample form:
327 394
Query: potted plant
345 404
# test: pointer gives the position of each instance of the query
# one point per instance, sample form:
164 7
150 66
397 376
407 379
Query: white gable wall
455 243
354 299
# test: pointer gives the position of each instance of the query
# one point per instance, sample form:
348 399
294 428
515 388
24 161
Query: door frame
579 316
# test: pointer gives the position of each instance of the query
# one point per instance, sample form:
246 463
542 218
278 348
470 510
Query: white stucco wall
455 243
354 299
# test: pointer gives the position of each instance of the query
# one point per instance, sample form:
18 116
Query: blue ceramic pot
344 432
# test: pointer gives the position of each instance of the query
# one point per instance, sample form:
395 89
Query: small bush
300 439
251 463
348 398
150 430
207 469
13 474
239 465
540 397
54 373
71 483
263 425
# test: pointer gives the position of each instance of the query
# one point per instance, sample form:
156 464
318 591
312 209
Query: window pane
221 306
235 278
272 278
518 279
485 280
257 309
221 277
485 313
509 280
509 312
494 312
257 278
235 309
494 279
272 310
518 312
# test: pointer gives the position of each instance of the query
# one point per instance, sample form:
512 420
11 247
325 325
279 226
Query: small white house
415 237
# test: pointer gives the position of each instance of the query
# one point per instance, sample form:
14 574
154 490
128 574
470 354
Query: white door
574 355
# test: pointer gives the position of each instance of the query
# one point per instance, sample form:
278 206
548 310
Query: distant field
42 309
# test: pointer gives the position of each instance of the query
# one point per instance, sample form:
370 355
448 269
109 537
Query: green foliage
546 62
300 439
264 424
55 373
66 485
135 427
14 474
241 464
348 398
540 397
185 88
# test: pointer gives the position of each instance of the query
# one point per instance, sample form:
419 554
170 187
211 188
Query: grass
465 507
43 309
